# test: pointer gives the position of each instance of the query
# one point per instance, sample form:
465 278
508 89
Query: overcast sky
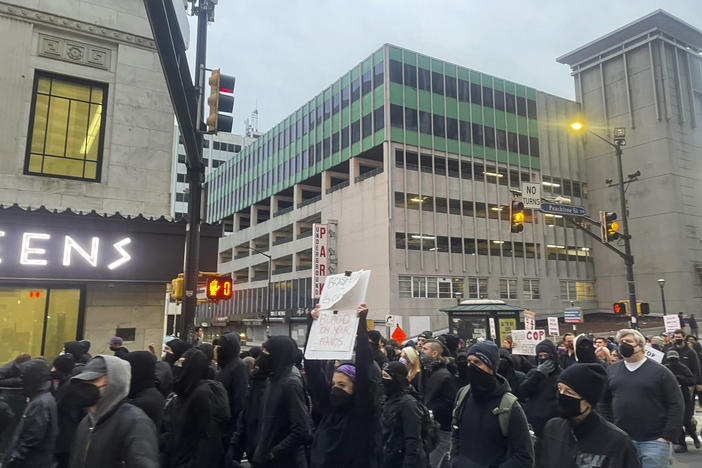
284 52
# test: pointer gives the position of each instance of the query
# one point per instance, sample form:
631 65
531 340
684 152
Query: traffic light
608 226
516 216
619 308
221 100
643 308
177 287
219 287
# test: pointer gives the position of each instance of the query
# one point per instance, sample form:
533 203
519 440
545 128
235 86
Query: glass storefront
37 321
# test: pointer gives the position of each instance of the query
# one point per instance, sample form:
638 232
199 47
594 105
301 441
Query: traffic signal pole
628 258
195 176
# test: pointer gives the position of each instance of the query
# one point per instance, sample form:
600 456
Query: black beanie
588 380
374 336
487 352
397 371
65 363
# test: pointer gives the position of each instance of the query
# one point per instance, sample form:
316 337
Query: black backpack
430 429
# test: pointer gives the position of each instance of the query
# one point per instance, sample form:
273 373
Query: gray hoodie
119 374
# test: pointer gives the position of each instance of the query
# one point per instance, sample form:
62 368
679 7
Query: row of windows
206 161
309 157
467 169
467 246
433 287
461 130
464 169
183 197
414 201
221 146
438 83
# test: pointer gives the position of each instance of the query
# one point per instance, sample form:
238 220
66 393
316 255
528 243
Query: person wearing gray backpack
489 427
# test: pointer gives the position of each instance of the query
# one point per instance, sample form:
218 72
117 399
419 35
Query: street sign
531 195
563 209
573 315
390 322
399 335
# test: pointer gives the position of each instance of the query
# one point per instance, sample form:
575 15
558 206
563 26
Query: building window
180 177
585 290
568 291
430 287
66 128
181 158
477 288
531 289
508 288
405 286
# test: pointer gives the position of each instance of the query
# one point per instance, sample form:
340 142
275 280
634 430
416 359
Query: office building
217 149
647 78
412 159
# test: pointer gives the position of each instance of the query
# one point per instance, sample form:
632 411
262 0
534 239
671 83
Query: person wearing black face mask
482 436
114 433
686 380
344 437
507 370
400 422
644 400
580 436
539 387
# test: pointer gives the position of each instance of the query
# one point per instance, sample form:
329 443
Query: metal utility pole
195 177
270 299
628 259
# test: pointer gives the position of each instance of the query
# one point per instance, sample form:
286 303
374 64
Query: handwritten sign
672 323
332 335
553 326
529 320
525 341
654 354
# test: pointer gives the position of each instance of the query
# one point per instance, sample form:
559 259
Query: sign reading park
333 334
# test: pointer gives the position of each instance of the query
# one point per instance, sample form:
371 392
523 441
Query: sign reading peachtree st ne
563 209
71 247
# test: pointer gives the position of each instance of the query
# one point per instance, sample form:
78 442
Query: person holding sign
345 436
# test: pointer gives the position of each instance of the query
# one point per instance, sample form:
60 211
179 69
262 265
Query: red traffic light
619 308
219 287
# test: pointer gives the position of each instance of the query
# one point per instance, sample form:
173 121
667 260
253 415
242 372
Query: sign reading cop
525 341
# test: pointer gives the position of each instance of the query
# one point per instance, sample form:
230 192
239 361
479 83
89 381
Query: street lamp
619 141
661 283
458 297
268 312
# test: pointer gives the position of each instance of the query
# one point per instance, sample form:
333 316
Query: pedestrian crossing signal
219 287
619 308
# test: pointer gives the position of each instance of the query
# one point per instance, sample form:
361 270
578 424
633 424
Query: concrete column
354 169
274 205
326 182
297 194
254 215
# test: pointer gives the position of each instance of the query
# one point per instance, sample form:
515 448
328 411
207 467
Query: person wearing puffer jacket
539 387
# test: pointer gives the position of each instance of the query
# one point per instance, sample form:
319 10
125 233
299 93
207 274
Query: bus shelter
483 318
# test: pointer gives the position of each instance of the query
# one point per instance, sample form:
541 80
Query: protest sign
672 323
529 320
525 341
654 354
493 333
553 326
332 335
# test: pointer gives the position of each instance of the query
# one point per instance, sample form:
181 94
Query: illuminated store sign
33 252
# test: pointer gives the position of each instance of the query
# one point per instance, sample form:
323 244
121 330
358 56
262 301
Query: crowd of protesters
436 401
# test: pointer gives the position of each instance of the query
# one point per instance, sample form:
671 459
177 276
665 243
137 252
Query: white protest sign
529 320
493 333
553 326
654 354
672 323
525 341
333 334
531 195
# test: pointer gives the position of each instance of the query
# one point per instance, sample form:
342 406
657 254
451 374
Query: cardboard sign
333 334
654 354
672 323
529 320
525 341
553 326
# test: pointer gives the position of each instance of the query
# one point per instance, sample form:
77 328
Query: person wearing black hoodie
164 367
539 387
580 436
477 439
378 356
193 437
400 422
344 437
244 438
35 436
69 413
208 350
506 369
686 380
78 350
234 375
284 426
142 388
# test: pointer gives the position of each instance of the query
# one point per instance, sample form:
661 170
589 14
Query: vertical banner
320 257
493 333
